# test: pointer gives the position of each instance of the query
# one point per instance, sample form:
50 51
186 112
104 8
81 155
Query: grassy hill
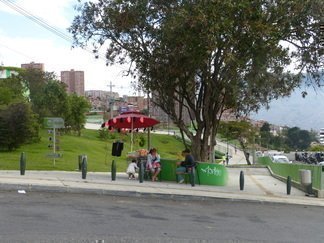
97 151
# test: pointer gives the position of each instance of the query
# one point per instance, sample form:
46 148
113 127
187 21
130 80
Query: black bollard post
84 165
141 172
288 185
22 163
242 180
113 170
80 157
192 176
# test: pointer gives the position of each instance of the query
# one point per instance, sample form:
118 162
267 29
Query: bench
189 174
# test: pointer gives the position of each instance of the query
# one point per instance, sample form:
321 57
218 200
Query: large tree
76 118
11 91
203 57
298 139
244 132
47 95
18 123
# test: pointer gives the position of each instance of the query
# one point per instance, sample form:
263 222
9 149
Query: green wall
208 174
292 170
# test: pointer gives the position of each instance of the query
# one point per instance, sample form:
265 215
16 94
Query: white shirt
132 168
151 159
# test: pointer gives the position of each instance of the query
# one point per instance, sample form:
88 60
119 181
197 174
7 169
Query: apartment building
33 65
74 81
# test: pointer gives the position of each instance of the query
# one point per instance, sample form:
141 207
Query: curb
144 195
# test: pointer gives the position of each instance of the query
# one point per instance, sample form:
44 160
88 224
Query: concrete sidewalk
259 186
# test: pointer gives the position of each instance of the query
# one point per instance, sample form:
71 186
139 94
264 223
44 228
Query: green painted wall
208 174
292 170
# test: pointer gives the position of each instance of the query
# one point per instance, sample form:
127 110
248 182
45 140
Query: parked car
280 159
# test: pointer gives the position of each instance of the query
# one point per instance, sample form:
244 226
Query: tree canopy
78 106
203 57
18 123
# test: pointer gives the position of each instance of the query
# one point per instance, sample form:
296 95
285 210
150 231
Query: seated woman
153 163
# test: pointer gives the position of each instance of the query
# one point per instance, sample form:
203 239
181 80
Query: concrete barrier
206 173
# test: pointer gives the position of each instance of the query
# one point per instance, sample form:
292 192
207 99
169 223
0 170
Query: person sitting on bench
184 165
153 163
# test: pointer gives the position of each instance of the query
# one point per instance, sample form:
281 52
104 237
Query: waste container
305 177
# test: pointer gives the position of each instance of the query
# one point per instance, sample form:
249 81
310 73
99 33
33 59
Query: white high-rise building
321 136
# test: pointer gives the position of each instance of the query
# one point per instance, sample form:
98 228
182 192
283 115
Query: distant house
7 72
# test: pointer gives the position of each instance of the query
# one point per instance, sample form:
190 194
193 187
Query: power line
18 52
36 19
45 25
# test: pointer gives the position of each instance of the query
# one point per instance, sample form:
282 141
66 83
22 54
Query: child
131 169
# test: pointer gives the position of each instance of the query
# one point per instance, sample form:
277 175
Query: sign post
53 122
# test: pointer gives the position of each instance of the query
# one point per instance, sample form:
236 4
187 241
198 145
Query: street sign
54 155
54 122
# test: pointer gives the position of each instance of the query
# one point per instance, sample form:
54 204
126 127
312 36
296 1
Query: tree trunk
245 151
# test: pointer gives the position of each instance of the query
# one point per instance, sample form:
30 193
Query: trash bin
305 177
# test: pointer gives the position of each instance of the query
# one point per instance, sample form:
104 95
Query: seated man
184 165
153 163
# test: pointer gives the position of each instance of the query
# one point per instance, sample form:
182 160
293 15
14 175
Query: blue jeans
180 169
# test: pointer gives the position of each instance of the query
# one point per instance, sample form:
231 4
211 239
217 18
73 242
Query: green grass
98 152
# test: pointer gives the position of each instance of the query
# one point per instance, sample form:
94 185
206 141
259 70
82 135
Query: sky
24 41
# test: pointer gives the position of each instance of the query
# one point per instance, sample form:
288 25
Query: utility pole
111 101
322 32
149 129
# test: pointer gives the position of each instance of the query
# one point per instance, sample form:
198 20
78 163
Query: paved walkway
259 186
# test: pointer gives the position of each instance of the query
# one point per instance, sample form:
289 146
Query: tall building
321 136
32 65
74 81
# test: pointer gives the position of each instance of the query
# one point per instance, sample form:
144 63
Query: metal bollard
141 172
192 176
22 163
288 185
241 180
113 170
80 157
84 165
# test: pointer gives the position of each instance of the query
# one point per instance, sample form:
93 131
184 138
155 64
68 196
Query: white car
280 159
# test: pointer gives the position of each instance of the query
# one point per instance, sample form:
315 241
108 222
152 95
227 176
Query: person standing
189 161
227 158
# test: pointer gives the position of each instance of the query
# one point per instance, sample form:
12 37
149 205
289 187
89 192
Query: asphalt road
62 217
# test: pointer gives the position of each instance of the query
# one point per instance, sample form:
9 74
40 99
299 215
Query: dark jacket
189 161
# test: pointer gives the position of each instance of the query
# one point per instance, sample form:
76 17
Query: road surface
63 217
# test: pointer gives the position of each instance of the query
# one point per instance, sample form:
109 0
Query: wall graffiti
211 171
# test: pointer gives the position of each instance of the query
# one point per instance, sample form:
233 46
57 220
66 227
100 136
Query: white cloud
56 56
53 12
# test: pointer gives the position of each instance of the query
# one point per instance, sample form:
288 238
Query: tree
55 99
203 57
78 106
46 94
243 131
18 125
298 139
11 91
265 135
